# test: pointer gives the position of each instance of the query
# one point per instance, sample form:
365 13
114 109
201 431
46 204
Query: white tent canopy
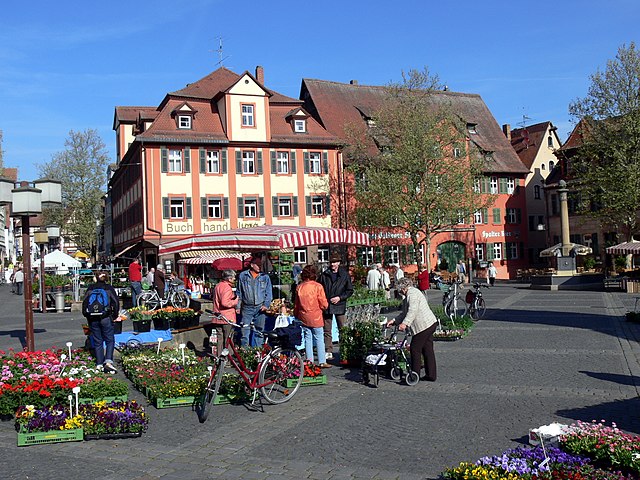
60 261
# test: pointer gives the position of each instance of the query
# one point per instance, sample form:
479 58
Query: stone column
564 218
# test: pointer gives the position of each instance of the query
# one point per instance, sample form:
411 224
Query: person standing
423 280
18 278
135 280
385 281
373 277
492 272
100 307
337 288
159 280
461 270
310 303
421 322
255 293
151 275
225 301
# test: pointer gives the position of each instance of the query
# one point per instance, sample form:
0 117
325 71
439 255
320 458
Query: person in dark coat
159 280
338 288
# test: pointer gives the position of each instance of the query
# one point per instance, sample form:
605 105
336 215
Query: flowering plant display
139 313
311 370
53 417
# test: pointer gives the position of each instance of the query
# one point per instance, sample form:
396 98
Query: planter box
174 402
117 327
53 436
223 399
161 324
140 326
112 436
119 398
308 381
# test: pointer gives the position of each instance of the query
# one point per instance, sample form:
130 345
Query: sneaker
325 365
329 356
109 368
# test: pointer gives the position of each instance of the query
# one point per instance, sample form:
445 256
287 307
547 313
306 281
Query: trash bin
60 302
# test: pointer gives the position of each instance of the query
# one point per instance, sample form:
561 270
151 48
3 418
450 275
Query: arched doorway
449 253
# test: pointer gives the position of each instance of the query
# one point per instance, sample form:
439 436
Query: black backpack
97 304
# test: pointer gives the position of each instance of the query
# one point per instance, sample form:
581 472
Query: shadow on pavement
614 377
614 412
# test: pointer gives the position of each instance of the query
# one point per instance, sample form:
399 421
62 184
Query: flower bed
164 318
588 451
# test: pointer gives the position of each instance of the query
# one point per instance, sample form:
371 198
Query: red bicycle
277 377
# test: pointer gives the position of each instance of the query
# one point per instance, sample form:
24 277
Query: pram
389 356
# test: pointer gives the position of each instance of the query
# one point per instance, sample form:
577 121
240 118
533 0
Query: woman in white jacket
421 322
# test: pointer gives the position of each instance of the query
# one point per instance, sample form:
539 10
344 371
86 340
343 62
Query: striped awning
204 257
266 237
626 248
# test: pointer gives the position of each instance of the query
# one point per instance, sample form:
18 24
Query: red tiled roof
281 130
339 104
527 141
209 86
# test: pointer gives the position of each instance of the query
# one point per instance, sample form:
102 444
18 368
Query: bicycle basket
469 297
445 287
289 336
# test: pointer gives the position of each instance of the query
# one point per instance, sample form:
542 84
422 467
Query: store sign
214 227
500 234
174 227
385 235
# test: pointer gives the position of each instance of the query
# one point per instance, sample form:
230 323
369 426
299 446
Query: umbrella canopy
266 237
80 254
60 261
227 264
625 248
576 247
206 257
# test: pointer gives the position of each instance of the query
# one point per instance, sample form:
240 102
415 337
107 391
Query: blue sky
66 65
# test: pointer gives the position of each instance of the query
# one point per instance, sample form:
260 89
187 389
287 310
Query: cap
335 257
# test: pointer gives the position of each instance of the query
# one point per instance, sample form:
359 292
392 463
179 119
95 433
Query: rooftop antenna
220 52
523 123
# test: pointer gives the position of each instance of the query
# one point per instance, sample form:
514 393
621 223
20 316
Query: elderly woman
225 302
421 322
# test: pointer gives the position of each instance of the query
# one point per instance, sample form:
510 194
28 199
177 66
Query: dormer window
184 121
248 115
300 126
472 128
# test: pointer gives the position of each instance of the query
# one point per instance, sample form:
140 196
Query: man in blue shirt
255 293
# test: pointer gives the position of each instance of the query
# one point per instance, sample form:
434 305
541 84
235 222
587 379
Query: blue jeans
316 335
102 333
136 290
252 314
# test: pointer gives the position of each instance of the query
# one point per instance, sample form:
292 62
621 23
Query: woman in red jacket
225 301
310 302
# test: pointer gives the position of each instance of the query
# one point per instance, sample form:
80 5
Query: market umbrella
80 254
557 248
625 248
227 264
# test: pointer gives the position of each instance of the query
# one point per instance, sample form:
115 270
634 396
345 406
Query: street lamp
26 201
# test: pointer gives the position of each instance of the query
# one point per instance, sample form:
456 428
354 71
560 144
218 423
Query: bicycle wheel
456 308
179 300
283 372
478 309
148 300
211 390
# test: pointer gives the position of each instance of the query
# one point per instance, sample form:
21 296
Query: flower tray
119 398
174 402
141 326
308 381
52 436
112 436
223 399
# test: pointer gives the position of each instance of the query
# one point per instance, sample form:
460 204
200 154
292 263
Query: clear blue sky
66 65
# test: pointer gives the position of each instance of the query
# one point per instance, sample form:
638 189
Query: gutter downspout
146 196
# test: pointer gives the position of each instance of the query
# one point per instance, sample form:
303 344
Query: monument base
568 281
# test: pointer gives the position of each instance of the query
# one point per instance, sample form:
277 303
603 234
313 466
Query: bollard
60 302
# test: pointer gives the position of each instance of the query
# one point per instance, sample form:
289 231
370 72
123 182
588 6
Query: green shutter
274 166
223 161
188 202
327 205
485 215
274 201
187 160
292 161
238 162
204 210
307 201
259 162
489 247
203 160
325 162
165 207
496 216
261 207
240 207
502 185
306 162
164 160
225 207
294 201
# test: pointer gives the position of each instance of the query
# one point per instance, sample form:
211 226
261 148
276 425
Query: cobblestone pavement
537 357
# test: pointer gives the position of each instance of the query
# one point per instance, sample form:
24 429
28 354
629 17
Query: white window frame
512 216
511 185
315 162
214 208
367 255
175 161
317 206
184 122
250 208
282 163
477 217
248 162
284 207
479 252
497 251
461 218
493 189
394 254
248 112
213 161
456 152
300 126
477 185
300 255
176 209
323 254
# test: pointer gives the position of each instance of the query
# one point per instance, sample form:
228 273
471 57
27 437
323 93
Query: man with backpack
100 307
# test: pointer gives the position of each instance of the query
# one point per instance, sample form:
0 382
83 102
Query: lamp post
26 201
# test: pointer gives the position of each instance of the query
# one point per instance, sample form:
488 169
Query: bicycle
277 377
454 306
477 306
150 299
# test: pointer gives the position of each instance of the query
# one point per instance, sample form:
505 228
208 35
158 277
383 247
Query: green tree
607 164
415 172
82 169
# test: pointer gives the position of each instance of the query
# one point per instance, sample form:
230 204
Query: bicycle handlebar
480 285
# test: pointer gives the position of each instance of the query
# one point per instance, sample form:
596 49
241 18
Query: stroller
390 357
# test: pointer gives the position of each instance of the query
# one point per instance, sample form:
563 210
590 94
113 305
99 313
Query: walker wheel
412 378
395 373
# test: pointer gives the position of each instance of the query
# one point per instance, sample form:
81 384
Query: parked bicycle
454 306
477 306
150 299
277 377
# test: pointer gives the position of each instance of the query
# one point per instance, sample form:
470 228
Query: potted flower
113 420
49 424
356 339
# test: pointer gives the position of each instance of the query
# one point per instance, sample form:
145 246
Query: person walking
338 288
373 277
100 307
310 302
423 280
18 278
225 301
385 282
159 280
492 273
461 270
421 322
135 280
255 293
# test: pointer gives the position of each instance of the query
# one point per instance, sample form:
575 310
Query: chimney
506 128
260 74
354 82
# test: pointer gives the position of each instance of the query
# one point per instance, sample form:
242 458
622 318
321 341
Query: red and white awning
626 248
207 257
266 237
